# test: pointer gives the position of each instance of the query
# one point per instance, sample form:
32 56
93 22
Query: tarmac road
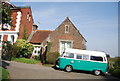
36 71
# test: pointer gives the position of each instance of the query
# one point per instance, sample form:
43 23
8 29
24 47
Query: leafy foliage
25 34
51 57
114 68
5 11
6 50
23 48
49 44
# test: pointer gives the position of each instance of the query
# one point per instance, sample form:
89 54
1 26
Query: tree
5 13
25 34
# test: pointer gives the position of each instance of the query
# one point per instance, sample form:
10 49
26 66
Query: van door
81 62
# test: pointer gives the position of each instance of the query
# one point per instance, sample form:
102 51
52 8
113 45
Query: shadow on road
4 64
107 77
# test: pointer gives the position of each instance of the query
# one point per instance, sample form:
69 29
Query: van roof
86 52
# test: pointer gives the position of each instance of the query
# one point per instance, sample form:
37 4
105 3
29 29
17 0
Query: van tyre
97 72
68 68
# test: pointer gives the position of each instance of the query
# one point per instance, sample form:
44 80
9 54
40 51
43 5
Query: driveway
34 71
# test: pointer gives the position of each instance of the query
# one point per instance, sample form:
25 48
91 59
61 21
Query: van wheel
97 72
68 68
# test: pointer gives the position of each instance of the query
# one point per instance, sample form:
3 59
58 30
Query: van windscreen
69 55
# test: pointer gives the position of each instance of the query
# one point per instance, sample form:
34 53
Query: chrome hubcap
97 72
68 68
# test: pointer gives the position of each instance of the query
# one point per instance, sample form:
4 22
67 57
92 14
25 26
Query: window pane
85 57
96 58
79 56
66 29
70 55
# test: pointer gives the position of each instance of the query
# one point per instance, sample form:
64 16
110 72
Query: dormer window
66 28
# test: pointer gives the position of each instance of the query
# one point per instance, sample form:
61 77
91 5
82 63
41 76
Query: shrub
37 57
23 48
6 50
114 67
115 72
51 57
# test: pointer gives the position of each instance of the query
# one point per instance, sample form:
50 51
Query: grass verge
25 60
4 74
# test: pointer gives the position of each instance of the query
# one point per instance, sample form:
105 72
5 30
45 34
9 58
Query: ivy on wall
49 44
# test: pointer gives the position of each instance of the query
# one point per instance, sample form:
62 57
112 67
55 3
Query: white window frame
65 41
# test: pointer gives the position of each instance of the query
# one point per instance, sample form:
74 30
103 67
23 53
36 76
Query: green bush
114 67
23 48
115 72
6 50
37 57
51 57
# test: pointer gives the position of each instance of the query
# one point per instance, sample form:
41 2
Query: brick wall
25 23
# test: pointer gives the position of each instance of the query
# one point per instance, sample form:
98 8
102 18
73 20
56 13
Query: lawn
25 60
4 74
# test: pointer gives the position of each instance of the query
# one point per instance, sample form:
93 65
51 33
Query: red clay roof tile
40 35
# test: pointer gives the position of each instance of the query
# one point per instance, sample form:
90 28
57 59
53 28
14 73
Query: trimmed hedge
51 57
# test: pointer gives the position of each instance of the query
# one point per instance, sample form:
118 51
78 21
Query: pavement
36 71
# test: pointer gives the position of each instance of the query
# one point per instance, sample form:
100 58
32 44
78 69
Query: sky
97 21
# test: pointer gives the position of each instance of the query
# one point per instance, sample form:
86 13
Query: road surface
36 71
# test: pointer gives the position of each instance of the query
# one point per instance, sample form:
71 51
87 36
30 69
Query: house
64 36
22 23
37 38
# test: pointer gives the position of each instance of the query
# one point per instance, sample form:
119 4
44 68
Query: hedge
51 57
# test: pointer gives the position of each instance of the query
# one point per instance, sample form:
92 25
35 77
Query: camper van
75 59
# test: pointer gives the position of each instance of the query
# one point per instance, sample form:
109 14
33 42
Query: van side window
96 58
79 56
85 57
69 55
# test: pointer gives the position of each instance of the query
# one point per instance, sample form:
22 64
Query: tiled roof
40 35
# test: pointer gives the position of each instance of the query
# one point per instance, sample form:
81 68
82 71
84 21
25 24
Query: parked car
75 59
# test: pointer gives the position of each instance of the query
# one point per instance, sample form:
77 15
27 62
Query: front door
64 45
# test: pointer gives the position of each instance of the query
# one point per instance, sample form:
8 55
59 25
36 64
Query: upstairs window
28 16
66 28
